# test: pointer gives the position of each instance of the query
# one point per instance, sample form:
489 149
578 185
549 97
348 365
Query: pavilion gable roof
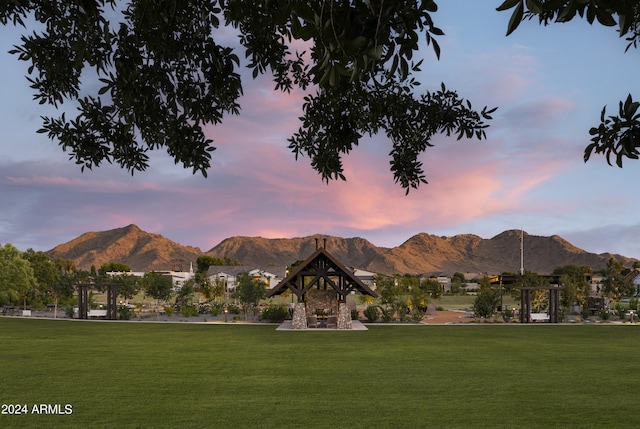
309 266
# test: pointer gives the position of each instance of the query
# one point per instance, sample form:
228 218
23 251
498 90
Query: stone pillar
299 318
344 316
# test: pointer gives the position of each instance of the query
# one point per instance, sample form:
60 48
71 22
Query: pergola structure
525 295
525 302
321 281
83 299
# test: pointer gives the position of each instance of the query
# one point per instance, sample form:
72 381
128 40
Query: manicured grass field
147 375
465 302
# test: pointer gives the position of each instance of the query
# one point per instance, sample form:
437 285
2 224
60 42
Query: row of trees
406 297
403 298
30 278
576 290
248 292
195 293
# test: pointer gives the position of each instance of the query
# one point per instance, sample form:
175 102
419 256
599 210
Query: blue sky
550 85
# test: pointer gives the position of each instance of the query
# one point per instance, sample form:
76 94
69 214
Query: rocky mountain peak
422 253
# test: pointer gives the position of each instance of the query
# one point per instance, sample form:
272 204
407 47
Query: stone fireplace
321 300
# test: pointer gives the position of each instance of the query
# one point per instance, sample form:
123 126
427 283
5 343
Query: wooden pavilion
321 283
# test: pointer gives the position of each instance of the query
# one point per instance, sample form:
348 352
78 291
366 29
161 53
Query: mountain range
421 254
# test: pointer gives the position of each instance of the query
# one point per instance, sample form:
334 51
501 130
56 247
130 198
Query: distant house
634 275
177 277
229 274
443 280
445 283
270 278
472 276
471 287
125 273
367 277
596 284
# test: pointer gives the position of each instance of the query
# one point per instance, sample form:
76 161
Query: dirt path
444 317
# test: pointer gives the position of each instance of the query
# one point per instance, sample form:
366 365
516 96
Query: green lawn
465 302
245 376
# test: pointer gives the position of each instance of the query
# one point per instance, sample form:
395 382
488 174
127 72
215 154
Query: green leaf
516 18
430 6
436 48
508 4
534 6
605 18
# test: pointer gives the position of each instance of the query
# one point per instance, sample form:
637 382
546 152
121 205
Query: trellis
83 299
525 295
525 302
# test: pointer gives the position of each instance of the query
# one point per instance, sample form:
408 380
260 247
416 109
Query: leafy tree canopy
432 287
487 300
128 284
616 283
45 271
147 75
249 291
459 277
116 267
574 270
65 265
531 279
157 286
573 279
17 279
65 286
205 261
616 136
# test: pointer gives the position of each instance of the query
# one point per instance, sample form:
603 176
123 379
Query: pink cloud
504 75
43 180
86 184
544 112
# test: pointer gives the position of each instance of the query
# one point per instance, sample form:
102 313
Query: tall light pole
521 252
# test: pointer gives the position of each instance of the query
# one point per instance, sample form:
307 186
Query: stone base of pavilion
299 320
356 325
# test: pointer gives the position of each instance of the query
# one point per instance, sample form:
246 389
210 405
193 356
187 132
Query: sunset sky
550 85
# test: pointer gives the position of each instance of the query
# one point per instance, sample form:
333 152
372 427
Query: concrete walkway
356 325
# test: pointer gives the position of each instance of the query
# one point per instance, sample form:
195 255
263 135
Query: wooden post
112 294
554 305
83 301
525 306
